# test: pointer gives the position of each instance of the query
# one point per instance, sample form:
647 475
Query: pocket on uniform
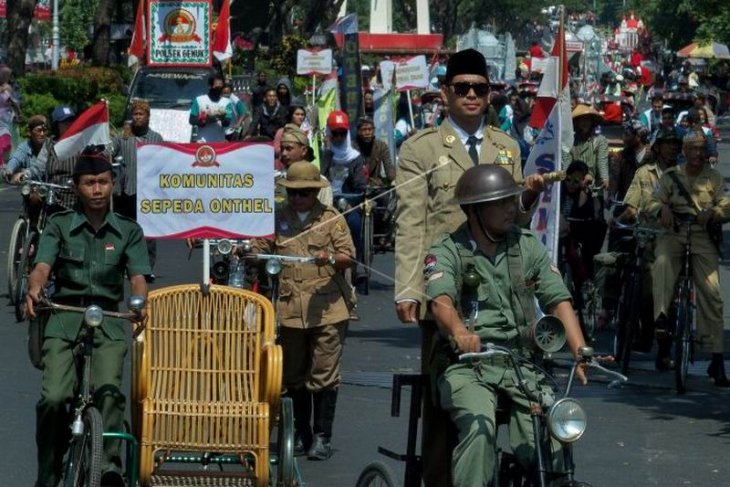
70 265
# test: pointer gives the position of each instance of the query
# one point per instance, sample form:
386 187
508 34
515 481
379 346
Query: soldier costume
313 309
589 148
89 267
430 164
706 189
503 296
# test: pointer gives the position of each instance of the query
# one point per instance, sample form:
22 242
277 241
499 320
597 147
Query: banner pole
206 262
314 89
410 109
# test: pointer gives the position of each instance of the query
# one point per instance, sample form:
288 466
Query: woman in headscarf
283 92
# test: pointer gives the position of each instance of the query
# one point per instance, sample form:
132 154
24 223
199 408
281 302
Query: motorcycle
562 419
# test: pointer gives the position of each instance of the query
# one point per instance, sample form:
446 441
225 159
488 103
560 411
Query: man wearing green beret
88 250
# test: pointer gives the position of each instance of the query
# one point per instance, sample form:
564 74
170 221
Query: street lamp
56 38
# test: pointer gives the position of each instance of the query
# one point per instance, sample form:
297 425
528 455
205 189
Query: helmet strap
484 230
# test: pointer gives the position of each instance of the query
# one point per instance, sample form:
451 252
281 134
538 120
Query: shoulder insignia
421 134
429 266
340 225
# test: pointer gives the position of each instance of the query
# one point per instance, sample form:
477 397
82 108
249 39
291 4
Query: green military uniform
594 152
707 190
89 268
467 391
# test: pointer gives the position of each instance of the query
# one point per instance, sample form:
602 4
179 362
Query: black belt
85 301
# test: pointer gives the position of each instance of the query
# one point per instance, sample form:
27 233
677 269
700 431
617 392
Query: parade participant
505 258
376 155
48 167
368 103
125 146
295 148
652 118
296 115
589 147
211 113
18 167
312 307
429 165
240 113
705 203
89 250
344 167
638 197
625 163
267 118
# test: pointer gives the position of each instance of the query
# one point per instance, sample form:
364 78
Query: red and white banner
205 190
555 77
138 46
411 73
90 128
222 49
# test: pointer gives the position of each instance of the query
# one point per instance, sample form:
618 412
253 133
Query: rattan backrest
206 348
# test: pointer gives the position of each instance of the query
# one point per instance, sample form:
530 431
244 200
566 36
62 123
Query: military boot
716 370
325 403
302 400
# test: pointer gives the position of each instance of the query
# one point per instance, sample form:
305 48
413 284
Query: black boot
302 400
325 403
664 360
716 370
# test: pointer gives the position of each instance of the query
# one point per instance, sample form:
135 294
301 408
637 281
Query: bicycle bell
342 204
548 334
25 190
225 246
93 316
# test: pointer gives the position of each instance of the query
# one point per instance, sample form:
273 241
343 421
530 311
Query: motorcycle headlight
25 190
567 420
273 267
93 316
225 246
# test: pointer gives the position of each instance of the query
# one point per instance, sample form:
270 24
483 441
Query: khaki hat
586 111
292 133
302 175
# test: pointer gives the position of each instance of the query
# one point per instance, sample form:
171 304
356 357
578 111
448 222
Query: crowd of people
463 201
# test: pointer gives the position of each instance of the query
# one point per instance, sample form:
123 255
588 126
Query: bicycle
684 302
24 254
629 304
83 462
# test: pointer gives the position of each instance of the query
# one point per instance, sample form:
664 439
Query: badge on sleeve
109 247
340 226
429 265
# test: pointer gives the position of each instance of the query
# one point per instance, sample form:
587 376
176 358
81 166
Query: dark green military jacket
496 319
90 264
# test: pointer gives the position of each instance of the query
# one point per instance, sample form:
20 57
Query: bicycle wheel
367 249
590 310
683 338
26 260
622 318
85 455
632 323
377 474
285 443
15 248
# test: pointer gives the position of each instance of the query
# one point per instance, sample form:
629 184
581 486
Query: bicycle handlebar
298 259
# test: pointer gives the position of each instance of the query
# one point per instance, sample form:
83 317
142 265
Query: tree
77 16
19 16
102 33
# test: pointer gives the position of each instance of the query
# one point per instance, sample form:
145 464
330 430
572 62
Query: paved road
640 435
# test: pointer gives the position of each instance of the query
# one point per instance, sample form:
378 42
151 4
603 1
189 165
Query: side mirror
548 334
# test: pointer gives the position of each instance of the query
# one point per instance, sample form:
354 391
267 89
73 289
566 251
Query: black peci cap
468 61
92 161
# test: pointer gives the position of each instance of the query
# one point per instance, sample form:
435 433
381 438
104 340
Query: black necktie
472 142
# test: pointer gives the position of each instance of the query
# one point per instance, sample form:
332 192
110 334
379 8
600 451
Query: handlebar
298 259
46 304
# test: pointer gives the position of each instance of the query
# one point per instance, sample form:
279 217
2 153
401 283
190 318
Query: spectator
240 113
258 92
268 118
283 92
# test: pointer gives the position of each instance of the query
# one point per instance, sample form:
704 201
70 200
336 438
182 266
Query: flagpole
559 152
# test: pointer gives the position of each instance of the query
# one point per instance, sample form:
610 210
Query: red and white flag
555 77
139 36
222 40
91 128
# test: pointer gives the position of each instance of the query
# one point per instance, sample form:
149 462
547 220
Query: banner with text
384 118
411 74
179 33
205 190
311 62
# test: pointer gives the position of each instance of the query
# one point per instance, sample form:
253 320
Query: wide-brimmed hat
586 111
303 175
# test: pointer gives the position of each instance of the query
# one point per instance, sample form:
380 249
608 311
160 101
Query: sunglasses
463 89
339 133
302 193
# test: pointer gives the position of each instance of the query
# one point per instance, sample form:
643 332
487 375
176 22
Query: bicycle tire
87 452
367 250
589 313
15 246
377 474
285 476
683 340
621 320
632 323
29 248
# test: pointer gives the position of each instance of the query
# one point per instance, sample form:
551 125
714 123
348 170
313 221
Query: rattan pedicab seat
207 378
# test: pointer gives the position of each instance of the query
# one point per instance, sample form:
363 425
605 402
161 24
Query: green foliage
77 16
76 87
284 56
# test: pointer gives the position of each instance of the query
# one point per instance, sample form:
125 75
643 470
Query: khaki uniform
594 152
642 187
468 392
430 163
708 192
311 308
89 268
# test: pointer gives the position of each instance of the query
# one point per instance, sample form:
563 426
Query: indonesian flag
139 36
552 82
222 41
91 128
